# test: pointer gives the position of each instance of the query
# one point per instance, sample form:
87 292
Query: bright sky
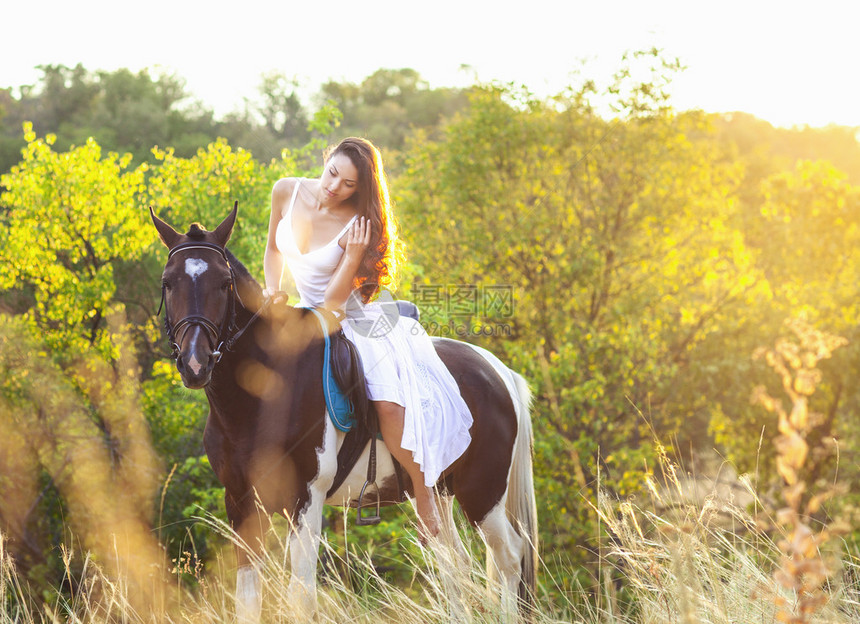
789 62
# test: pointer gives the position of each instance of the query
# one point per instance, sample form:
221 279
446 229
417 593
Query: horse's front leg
249 594
307 529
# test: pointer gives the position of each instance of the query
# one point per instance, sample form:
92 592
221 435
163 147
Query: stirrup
367 520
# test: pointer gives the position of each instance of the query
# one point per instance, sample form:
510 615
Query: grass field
710 562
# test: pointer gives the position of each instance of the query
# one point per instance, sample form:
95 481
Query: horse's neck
279 340
224 393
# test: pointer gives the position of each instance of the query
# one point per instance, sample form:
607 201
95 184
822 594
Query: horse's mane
251 294
249 289
240 271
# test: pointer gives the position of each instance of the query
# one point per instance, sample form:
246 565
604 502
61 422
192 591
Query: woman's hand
274 294
358 238
341 284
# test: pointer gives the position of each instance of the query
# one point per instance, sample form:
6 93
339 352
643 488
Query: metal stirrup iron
371 480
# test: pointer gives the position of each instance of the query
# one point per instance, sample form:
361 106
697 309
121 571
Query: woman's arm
340 286
273 259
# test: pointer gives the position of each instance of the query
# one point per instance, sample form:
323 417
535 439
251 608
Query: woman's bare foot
429 521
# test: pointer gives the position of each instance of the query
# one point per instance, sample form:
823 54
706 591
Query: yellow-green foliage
71 216
644 261
616 239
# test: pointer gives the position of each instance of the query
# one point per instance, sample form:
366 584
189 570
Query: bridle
216 334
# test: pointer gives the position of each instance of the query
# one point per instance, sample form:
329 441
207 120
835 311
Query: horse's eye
165 285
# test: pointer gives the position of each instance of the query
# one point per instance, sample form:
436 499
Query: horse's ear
225 229
167 234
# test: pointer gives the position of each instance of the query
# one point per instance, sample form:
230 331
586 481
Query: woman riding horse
268 436
338 237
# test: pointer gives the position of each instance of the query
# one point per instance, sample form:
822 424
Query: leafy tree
616 240
64 102
71 218
131 112
765 151
123 111
10 145
71 406
389 104
282 110
806 238
135 112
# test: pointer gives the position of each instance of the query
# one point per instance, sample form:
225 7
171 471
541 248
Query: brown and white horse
269 439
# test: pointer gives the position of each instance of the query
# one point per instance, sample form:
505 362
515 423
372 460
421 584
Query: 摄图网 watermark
450 310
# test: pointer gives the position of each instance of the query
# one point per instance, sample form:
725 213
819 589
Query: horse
271 443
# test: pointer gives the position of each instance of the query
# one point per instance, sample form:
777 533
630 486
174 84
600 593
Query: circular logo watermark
374 319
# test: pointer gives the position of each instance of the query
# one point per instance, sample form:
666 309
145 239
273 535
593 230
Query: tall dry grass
712 563
707 563
717 562
667 559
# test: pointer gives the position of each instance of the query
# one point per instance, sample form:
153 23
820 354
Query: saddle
348 371
350 409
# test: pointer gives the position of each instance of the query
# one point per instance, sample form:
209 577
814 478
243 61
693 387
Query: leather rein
215 334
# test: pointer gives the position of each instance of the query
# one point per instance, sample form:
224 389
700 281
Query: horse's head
199 296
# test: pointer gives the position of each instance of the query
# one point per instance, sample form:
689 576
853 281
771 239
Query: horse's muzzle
196 362
193 375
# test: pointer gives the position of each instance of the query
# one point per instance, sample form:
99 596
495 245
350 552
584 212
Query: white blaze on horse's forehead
195 267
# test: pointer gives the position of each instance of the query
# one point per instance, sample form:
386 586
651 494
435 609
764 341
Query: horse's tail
520 506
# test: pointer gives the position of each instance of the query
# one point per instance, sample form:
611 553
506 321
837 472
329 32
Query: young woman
338 237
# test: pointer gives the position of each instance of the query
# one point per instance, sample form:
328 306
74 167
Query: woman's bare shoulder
308 190
284 186
282 192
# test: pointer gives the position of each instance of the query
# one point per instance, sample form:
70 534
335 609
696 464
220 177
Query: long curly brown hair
385 254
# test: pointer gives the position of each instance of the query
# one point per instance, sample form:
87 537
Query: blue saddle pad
340 408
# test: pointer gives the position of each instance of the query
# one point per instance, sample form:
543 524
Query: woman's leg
391 426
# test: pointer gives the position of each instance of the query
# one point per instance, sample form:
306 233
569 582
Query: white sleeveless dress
399 360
